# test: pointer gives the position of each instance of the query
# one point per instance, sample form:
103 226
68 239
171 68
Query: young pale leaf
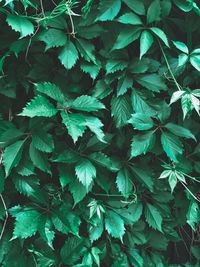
121 110
86 172
75 124
181 46
51 90
153 12
12 155
108 10
137 6
69 55
130 18
160 34
146 41
195 61
141 121
172 181
142 143
124 183
87 103
179 130
153 217
39 107
186 104
176 96
171 145
114 224
20 24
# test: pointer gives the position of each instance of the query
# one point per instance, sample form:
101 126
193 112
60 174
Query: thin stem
190 192
5 221
169 68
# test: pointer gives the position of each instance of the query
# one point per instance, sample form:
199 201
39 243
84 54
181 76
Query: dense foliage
99 133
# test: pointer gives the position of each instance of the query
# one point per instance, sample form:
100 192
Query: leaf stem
5 221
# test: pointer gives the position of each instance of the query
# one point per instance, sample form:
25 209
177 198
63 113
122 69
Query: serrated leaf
160 34
87 103
114 224
126 37
75 124
46 233
146 41
78 190
96 229
104 160
39 107
108 10
95 125
121 110
20 24
53 38
39 159
43 141
172 181
171 145
153 12
193 215
124 84
137 6
179 130
12 155
124 183
142 143
69 55
91 69
86 172
114 65
153 217
26 224
86 50
130 18
51 90
195 61
176 96
152 82
141 121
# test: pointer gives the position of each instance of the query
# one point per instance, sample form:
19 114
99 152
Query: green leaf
171 145
121 110
153 217
182 59
53 38
39 107
172 181
45 231
195 61
69 55
181 46
114 224
27 221
115 65
193 215
152 82
2 179
20 24
91 69
96 229
153 12
75 124
50 90
39 159
126 37
142 143
86 172
43 141
176 96
124 84
12 155
72 250
87 103
86 50
78 190
160 34
141 121
130 18
108 10
124 183
103 160
179 130
95 125
146 41
137 6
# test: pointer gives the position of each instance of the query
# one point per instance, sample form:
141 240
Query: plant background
99 133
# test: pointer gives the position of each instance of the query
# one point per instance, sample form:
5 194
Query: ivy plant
99 133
